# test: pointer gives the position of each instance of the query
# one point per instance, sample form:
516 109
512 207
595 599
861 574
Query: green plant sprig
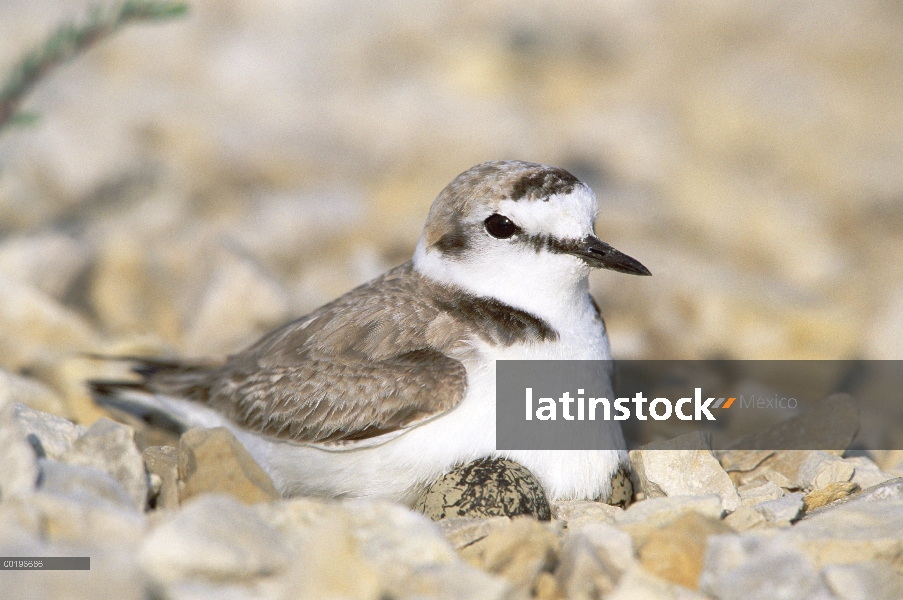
67 42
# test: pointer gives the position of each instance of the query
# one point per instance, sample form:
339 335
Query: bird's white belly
399 468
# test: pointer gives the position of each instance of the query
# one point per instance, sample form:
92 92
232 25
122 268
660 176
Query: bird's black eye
500 226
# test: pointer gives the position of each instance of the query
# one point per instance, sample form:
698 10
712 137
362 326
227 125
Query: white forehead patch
562 215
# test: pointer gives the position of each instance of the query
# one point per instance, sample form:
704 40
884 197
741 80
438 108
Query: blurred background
191 184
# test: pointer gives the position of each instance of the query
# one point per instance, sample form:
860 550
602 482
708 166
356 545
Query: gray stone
213 537
110 447
753 567
820 470
18 467
852 532
485 488
664 472
746 518
868 580
51 436
592 560
757 492
782 510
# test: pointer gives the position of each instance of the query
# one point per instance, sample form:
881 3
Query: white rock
754 493
84 483
870 580
390 549
683 473
867 473
593 559
745 518
18 465
110 447
821 469
751 567
51 435
50 261
213 537
783 509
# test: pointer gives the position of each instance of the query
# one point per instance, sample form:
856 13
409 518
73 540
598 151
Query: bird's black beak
600 255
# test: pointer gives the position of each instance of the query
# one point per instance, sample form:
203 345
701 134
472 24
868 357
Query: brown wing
328 378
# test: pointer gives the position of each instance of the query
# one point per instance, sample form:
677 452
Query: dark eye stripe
500 226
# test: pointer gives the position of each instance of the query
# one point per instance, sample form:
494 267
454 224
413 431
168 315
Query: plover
385 389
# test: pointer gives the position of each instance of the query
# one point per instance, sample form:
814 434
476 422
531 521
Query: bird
383 390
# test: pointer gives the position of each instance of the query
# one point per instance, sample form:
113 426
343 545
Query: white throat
553 287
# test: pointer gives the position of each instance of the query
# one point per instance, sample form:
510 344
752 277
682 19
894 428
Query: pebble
391 550
852 532
213 460
516 550
85 483
821 469
50 435
781 510
667 472
213 537
592 560
676 552
760 567
759 491
109 446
